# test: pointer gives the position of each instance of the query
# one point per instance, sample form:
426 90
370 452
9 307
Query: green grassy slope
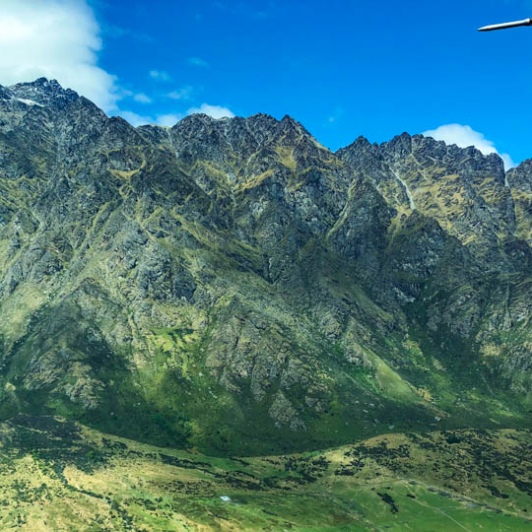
57 475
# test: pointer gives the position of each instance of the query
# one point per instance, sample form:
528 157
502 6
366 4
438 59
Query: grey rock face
236 272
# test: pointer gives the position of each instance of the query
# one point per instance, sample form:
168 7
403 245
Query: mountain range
231 285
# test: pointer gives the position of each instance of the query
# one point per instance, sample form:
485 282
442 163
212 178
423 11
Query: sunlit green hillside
57 475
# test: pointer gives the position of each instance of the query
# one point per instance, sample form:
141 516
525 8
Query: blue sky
343 68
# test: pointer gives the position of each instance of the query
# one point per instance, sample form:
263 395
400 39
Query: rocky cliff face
232 284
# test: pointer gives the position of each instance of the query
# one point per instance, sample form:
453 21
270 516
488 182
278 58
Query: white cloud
135 119
212 110
197 61
142 98
184 93
464 136
166 120
160 75
57 39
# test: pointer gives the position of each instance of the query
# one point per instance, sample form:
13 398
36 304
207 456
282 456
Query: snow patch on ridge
29 102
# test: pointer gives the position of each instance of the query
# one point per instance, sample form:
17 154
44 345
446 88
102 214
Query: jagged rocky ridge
233 285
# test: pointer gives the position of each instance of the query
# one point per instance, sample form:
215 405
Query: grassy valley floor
57 475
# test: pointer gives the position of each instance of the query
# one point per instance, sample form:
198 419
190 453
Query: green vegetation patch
60 475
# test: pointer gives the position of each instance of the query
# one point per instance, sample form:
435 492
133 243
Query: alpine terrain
233 288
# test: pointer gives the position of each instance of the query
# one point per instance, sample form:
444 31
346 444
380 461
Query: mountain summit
233 285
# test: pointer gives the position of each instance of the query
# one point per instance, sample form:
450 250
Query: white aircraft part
505 25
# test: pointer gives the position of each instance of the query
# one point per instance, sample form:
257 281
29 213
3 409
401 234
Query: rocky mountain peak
196 121
200 137
425 151
520 177
267 128
44 92
288 123
5 93
236 270
399 147
357 150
